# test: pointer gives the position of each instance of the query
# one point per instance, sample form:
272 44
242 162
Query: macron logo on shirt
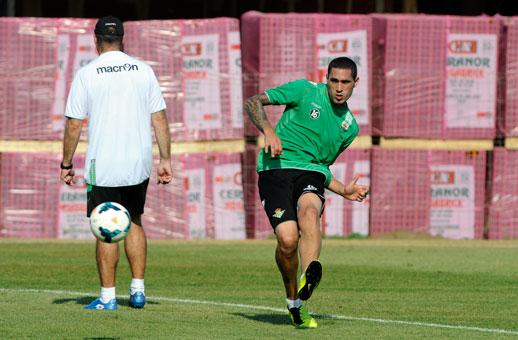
117 68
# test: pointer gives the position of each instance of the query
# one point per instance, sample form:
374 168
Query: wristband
66 167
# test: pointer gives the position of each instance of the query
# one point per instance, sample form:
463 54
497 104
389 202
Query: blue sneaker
97 304
137 300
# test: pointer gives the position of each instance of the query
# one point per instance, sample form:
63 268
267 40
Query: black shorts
280 190
132 197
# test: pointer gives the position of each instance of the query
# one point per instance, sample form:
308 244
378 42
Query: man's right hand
272 142
164 172
67 176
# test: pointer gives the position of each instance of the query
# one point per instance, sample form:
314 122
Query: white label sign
353 45
229 214
196 192
236 88
471 74
452 214
360 215
202 108
85 51
334 211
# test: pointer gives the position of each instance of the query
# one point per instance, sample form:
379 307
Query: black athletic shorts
132 197
280 190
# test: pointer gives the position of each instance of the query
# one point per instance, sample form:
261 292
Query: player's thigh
309 212
96 195
276 193
133 197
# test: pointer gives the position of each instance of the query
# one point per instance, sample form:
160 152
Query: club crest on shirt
347 121
315 113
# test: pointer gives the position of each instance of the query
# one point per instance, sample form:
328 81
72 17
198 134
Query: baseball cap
109 26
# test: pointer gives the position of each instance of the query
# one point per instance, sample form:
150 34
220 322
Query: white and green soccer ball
110 222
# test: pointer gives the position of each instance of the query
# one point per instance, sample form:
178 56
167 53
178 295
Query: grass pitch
389 289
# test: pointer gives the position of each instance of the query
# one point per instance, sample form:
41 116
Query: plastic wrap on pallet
278 48
164 213
205 199
503 215
439 76
39 57
29 195
340 218
198 65
511 78
436 192
257 224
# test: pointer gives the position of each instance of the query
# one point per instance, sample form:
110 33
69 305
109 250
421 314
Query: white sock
107 294
137 285
293 303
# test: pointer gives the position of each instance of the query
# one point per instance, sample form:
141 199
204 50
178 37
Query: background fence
436 94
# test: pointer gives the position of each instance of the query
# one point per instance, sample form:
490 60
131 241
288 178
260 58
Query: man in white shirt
122 99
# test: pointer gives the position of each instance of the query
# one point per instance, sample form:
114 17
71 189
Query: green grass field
389 289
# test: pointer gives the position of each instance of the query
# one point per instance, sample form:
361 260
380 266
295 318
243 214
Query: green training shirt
313 132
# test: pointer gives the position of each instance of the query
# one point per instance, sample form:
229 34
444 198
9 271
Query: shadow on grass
275 319
84 300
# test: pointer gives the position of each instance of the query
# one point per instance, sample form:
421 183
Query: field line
279 310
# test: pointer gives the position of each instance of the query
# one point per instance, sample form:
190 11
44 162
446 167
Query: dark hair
109 39
343 63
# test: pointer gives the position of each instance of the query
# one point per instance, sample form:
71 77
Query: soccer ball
110 222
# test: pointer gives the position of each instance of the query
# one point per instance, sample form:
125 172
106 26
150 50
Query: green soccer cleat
310 280
301 319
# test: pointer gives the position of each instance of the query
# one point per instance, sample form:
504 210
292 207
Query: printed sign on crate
471 71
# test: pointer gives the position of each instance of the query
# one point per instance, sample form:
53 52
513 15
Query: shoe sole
313 275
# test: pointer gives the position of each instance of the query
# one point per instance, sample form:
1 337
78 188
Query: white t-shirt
118 93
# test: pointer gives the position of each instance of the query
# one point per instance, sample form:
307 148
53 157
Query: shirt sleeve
77 102
289 93
156 99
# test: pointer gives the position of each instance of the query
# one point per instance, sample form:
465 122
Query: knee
288 245
309 214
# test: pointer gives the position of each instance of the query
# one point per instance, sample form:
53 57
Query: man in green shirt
293 168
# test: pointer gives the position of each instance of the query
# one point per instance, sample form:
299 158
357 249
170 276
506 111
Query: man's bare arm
70 140
254 106
163 140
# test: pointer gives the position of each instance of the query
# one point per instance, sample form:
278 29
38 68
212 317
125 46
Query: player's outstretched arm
254 106
351 191
70 140
163 139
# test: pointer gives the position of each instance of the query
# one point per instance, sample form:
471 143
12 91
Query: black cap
109 26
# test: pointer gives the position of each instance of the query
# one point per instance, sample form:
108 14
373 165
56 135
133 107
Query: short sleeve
156 99
77 102
289 93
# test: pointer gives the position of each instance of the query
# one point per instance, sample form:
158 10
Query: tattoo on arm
254 108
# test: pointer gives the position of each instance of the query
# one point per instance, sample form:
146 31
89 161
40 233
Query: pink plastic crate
197 64
424 94
503 216
511 78
278 48
29 204
342 217
435 192
39 57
